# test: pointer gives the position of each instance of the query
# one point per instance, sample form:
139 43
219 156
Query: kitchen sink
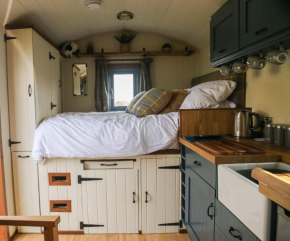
239 192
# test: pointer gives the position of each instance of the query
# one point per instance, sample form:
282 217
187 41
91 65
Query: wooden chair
49 223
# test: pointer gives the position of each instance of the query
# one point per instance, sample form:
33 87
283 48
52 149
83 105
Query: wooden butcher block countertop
274 186
231 150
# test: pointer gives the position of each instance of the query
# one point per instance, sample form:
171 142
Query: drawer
108 164
231 227
201 166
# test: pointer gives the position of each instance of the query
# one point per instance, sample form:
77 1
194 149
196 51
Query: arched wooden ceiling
186 21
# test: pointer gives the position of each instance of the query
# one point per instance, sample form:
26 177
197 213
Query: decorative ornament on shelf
69 48
166 48
90 48
125 38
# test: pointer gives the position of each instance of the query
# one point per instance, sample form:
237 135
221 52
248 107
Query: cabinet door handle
60 83
263 30
146 200
222 50
235 236
23 156
52 106
197 163
109 165
134 201
208 209
29 90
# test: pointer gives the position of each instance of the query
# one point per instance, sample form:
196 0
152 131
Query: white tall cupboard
33 69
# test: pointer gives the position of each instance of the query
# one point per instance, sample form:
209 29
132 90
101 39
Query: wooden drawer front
59 179
63 206
108 164
231 227
201 166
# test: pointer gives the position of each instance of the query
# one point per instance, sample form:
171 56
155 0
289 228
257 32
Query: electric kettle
244 123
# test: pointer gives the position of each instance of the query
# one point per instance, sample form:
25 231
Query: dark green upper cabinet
224 30
262 18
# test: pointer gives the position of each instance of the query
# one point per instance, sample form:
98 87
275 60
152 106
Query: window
123 86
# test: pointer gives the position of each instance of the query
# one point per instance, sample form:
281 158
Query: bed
117 134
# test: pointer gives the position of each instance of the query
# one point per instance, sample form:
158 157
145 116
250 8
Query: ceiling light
93 4
125 15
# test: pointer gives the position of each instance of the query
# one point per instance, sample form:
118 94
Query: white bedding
98 135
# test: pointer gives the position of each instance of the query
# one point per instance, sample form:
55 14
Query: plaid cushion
175 102
152 102
134 101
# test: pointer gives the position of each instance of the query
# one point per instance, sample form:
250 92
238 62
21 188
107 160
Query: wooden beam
31 221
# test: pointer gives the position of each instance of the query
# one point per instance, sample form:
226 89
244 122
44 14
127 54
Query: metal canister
269 133
287 137
279 135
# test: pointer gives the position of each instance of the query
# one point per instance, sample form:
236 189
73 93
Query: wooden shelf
136 54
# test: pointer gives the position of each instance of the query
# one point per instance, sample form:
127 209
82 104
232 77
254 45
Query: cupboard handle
134 201
146 200
60 83
235 236
261 31
29 90
109 165
210 206
52 106
223 50
23 156
197 163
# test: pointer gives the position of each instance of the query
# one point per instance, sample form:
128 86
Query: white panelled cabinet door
160 195
25 179
21 88
110 201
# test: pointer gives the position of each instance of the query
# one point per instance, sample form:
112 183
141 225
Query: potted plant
125 38
166 48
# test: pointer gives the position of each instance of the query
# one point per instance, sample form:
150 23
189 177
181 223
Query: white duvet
99 135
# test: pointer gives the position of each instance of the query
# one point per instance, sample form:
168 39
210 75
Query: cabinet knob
29 90
146 200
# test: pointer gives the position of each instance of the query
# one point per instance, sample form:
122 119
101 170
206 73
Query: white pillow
199 99
220 90
227 104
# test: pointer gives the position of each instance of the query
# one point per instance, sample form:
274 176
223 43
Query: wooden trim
66 209
51 181
137 53
4 233
69 232
166 152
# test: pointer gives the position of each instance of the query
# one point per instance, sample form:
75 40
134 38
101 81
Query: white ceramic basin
241 196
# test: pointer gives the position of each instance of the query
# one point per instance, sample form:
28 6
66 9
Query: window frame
124 69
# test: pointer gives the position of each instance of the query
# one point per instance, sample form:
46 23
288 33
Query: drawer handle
146 200
109 165
208 209
235 236
261 31
223 50
197 163
134 201
23 156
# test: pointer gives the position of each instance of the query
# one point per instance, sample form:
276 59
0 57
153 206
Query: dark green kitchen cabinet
224 30
260 19
199 207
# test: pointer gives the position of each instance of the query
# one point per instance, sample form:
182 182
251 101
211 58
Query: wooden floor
108 237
